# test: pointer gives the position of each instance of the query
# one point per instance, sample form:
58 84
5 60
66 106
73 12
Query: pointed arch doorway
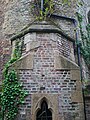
44 113
45 107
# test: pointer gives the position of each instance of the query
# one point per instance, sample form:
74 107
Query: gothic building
49 66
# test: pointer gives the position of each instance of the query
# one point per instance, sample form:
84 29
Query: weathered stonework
17 15
25 62
4 42
47 68
83 10
54 77
52 104
66 10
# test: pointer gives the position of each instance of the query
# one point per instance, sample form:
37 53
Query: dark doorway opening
89 17
44 113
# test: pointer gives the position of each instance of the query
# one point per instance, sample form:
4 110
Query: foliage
18 49
41 13
86 91
0 105
85 48
12 92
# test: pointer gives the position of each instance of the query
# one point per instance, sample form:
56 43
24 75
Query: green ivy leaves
0 105
85 48
12 91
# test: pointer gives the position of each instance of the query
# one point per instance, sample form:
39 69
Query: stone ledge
25 62
62 62
43 27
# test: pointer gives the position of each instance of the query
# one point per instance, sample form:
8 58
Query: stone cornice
42 27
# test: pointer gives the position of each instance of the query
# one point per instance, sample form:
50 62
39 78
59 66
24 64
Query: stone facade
48 71
48 67
83 10
4 41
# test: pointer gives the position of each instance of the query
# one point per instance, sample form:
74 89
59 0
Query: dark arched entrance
89 17
44 113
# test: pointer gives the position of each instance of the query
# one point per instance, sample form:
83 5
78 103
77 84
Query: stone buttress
49 73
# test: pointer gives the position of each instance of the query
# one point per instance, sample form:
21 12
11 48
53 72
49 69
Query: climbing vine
85 48
0 105
12 93
18 49
86 90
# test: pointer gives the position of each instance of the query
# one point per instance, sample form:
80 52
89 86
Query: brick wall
1 38
4 42
44 78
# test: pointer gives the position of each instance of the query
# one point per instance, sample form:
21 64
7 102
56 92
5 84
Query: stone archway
44 113
51 103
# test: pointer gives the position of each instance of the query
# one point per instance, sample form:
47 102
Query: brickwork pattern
68 26
1 38
66 10
4 43
43 78
18 14
13 16
66 48
57 44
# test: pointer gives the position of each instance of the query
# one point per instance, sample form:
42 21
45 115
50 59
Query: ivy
87 90
85 47
0 105
12 93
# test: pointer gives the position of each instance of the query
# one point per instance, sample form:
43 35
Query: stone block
75 74
32 45
13 48
52 101
27 38
81 111
62 62
53 37
78 85
76 96
25 62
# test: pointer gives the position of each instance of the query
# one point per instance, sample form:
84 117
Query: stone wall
68 10
87 100
4 42
16 14
1 38
83 10
50 73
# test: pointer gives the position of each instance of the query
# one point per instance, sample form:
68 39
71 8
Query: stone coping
42 27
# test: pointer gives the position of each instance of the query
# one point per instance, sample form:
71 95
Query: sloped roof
42 27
